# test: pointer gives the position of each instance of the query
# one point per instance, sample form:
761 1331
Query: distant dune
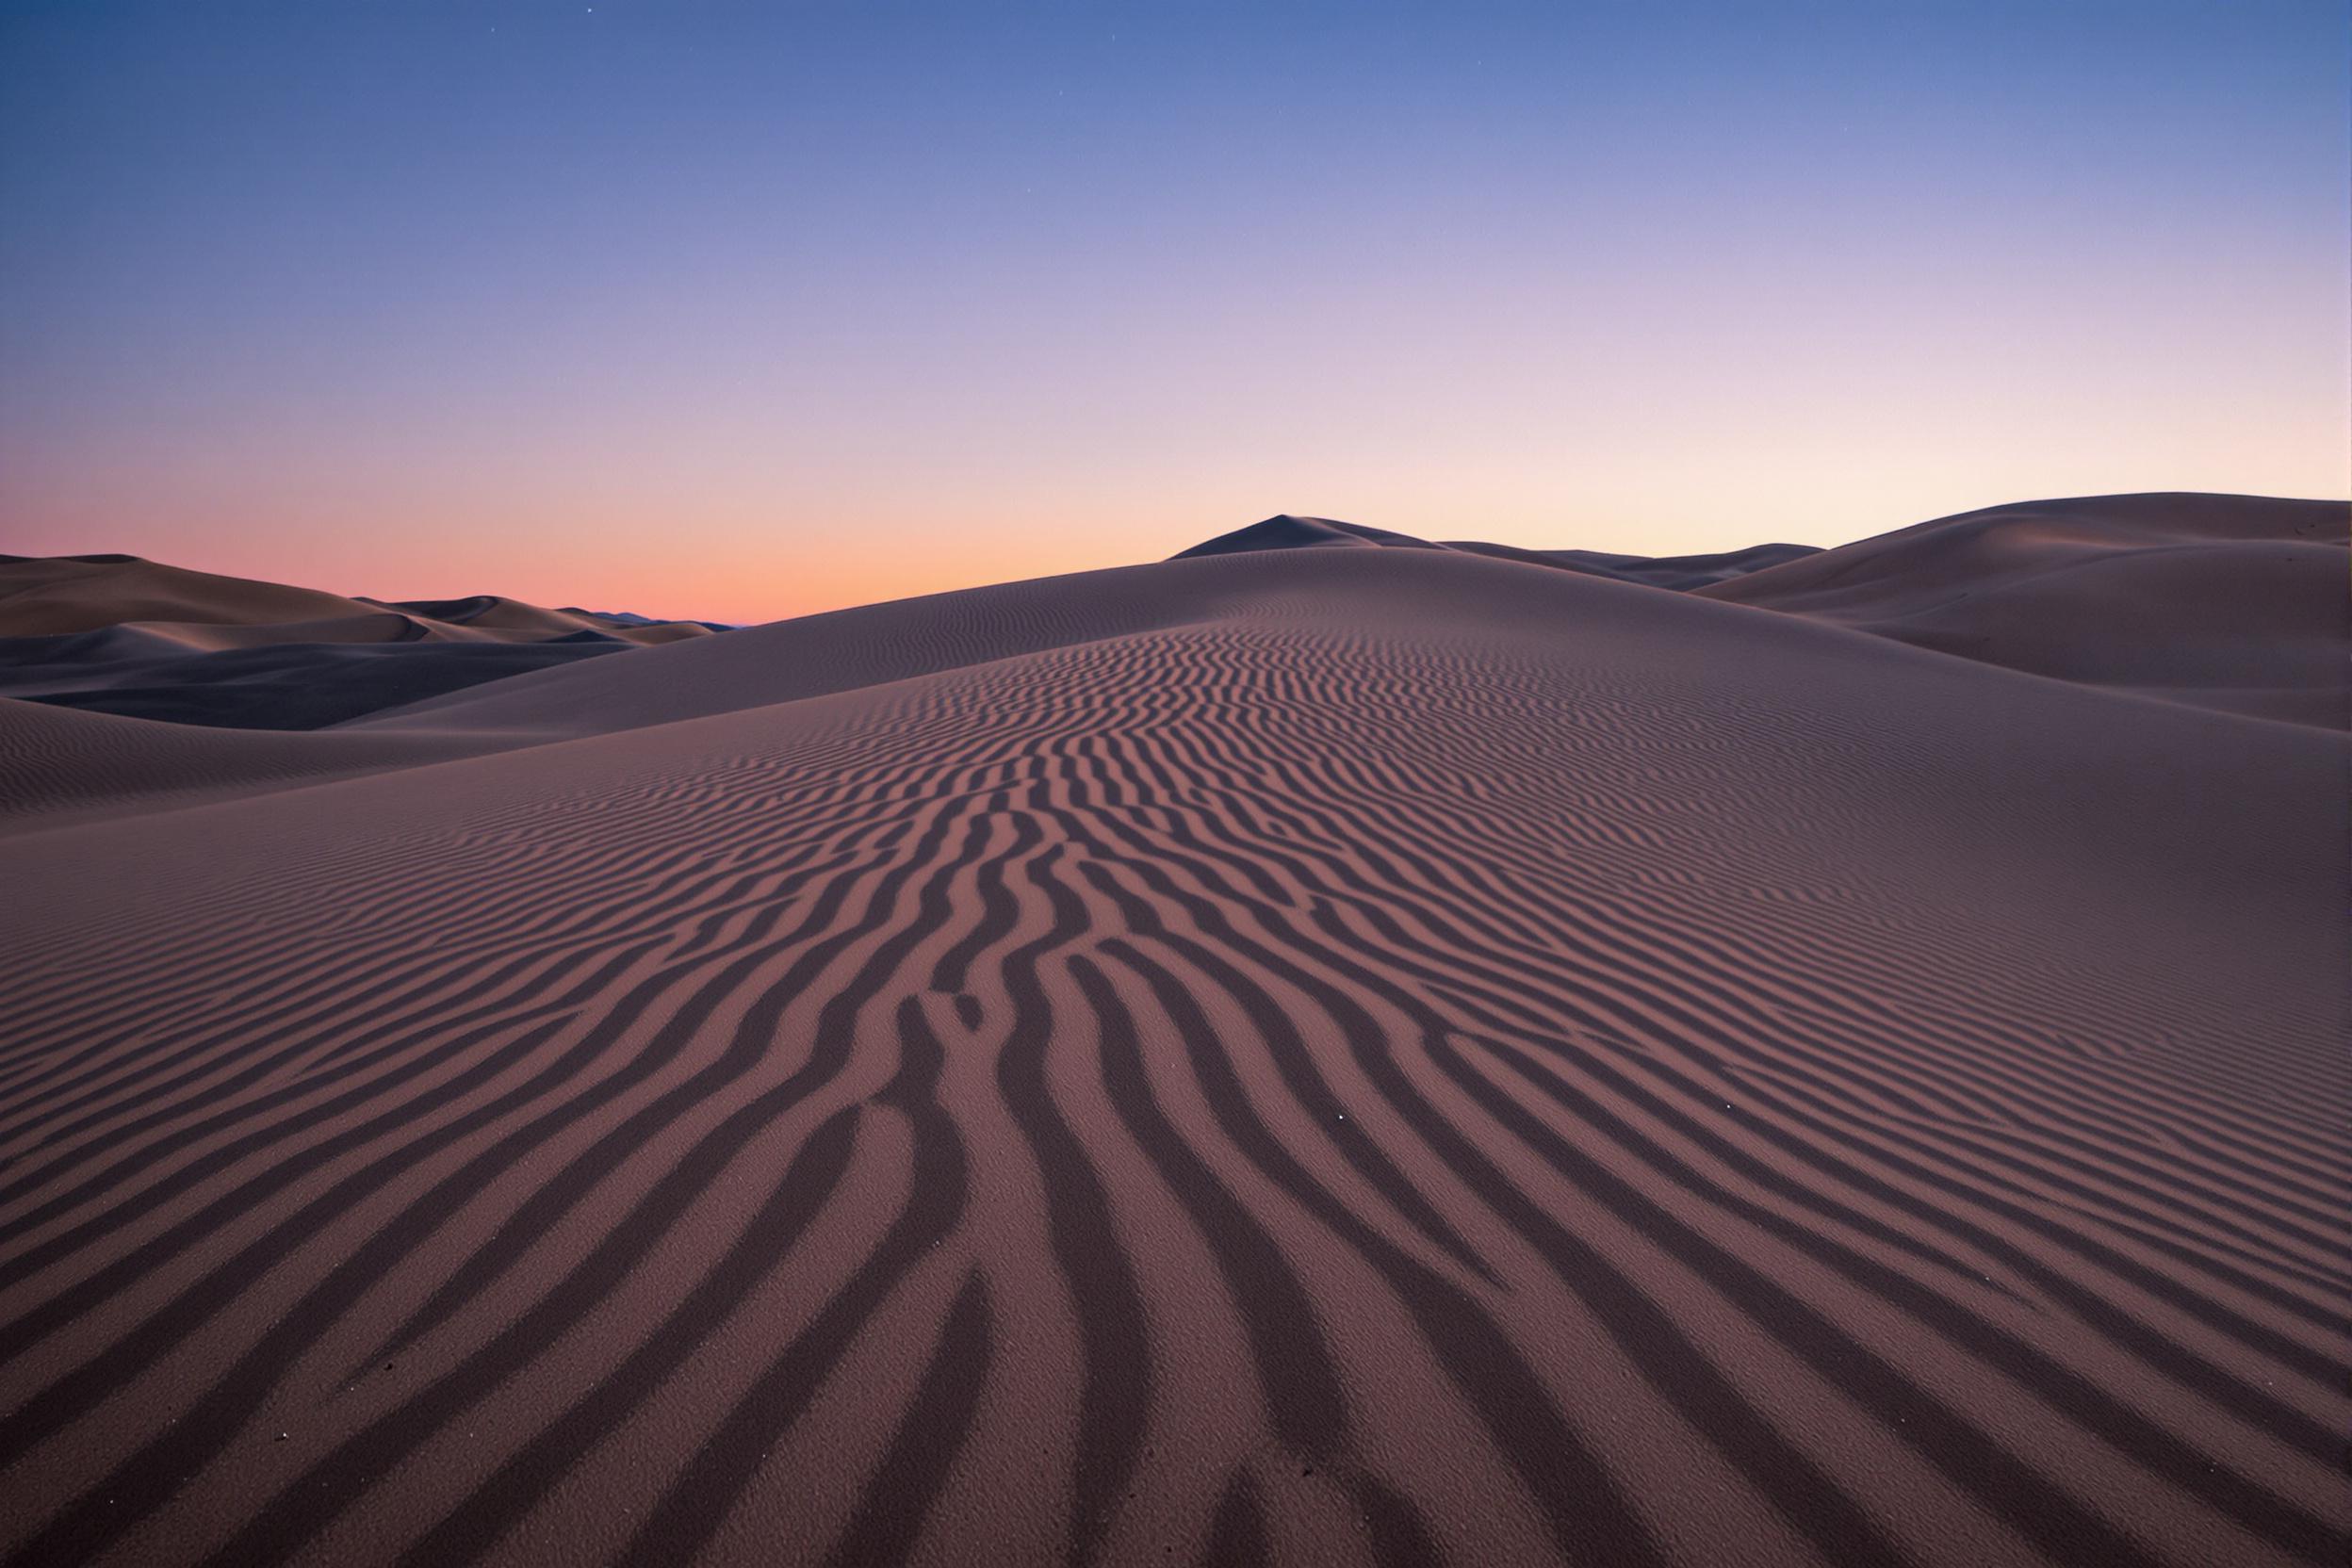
52 595
1677 572
116 634
1329 1048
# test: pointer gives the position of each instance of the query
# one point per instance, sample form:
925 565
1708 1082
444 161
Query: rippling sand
1349 1054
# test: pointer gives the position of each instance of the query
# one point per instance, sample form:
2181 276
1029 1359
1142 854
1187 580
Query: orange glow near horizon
747 316
706 537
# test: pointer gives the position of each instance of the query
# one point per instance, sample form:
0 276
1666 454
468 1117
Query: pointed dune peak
1288 532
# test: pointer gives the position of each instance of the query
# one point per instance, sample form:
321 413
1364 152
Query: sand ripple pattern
1218 1095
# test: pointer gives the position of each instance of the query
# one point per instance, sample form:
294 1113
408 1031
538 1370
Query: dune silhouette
1329 1048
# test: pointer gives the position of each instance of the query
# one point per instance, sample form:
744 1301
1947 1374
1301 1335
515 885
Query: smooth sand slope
2235 603
1333 1054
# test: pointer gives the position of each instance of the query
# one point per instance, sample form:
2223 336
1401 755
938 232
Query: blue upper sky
741 310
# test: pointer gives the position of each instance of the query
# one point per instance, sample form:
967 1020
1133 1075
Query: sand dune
293 685
494 614
55 595
2235 603
1327 1054
1679 573
116 634
51 596
1676 572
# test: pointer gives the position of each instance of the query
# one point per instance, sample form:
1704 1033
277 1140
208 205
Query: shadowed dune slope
121 635
128 641
50 595
1679 573
1342 1055
2235 602
291 685
55 595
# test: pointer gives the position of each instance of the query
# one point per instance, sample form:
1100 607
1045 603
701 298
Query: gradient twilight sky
747 310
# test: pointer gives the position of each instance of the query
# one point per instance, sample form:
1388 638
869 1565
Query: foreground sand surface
1331 1054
